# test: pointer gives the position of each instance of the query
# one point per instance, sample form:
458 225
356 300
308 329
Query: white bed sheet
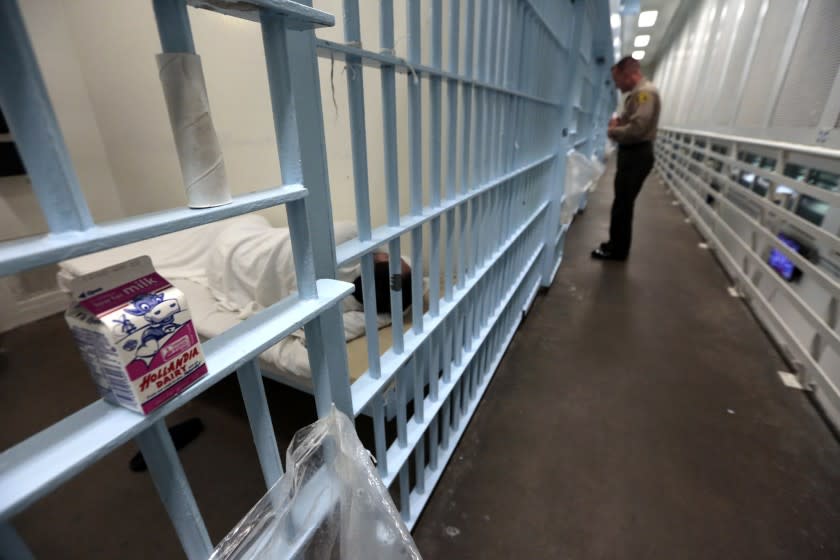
287 359
180 257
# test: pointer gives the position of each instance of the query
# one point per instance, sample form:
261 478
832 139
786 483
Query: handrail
829 197
801 148
825 236
827 281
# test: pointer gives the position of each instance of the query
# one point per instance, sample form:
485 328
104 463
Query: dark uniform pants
633 166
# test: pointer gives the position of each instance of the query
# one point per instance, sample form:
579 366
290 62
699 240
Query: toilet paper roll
199 152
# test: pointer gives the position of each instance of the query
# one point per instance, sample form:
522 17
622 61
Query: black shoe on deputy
604 253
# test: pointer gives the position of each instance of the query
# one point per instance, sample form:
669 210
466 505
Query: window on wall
795 172
808 207
812 209
824 180
749 179
714 163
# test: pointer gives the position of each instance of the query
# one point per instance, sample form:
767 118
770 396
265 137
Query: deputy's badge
643 97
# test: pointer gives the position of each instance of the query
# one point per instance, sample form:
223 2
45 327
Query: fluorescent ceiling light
641 41
647 19
638 55
615 21
616 42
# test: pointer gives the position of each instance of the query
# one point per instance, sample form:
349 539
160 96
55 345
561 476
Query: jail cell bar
495 190
39 464
496 186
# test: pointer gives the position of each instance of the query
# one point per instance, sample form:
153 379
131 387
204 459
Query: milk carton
135 334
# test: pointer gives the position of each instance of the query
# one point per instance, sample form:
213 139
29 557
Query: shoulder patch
643 97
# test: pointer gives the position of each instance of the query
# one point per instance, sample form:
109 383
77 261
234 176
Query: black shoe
605 254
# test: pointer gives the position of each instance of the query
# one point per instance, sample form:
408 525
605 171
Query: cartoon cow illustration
159 313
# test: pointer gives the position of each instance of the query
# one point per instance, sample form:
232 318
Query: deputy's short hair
627 63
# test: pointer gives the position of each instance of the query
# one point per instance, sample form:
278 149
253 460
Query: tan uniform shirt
640 117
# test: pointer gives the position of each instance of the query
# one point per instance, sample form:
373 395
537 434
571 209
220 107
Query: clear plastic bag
330 504
581 176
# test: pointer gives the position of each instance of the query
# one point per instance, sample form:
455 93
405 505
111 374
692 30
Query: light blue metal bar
493 42
315 220
36 466
483 38
504 44
445 423
366 387
419 469
11 545
354 249
405 496
389 113
435 140
259 417
418 370
452 160
457 404
435 104
473 260
32 122
371 321
29 252
174 490
434 443
358 133
395 269
298 15
469 40
466 131
432 356
173 24
415 162
319 366
415 127
289 147
449 254
417 279
434 270
557 177
462 259
435 155
379 436
403 377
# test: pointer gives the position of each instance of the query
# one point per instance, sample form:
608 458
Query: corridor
639 414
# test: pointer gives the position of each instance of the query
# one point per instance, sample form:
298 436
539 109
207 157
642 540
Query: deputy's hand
613 122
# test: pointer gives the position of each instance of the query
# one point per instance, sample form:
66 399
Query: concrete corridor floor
637 415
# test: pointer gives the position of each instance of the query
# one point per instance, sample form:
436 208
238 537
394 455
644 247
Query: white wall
753 68
101 56
98 62
55 49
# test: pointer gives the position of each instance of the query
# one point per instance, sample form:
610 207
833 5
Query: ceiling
671 15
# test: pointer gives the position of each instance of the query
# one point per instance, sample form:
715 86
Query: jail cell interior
477 105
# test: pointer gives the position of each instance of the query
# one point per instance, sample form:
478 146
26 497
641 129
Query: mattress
288 358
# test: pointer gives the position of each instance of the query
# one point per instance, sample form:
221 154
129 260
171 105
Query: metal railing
742 226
